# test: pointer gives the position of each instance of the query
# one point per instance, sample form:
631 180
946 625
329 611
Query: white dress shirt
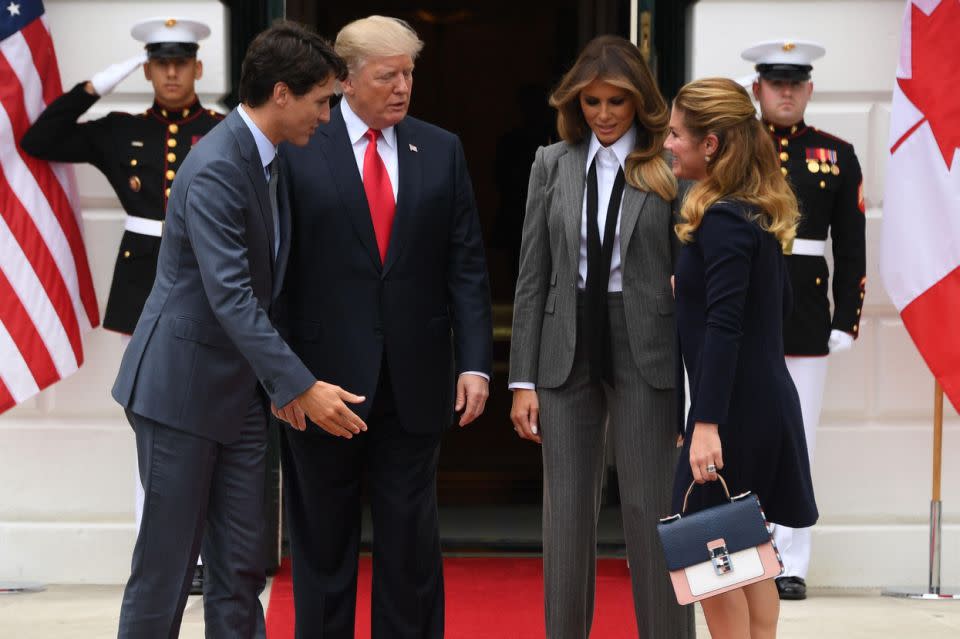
609 160
387 148
267 152
386 144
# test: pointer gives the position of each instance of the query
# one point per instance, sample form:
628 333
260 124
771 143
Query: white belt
146 226
809 247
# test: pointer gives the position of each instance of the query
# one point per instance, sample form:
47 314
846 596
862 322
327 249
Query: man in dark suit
386 261
205 356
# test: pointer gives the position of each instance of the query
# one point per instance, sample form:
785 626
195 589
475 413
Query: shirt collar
621 148
264 145
357 128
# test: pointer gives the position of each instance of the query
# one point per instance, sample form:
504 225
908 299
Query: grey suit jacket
545 305
205 338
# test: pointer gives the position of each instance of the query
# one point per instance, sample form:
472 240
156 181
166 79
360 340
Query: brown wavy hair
744 167
618 62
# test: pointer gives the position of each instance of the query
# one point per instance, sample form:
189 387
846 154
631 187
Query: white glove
107 80
839 341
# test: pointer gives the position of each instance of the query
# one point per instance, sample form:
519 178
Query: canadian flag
920 247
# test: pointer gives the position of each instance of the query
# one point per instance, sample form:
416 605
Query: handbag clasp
721 560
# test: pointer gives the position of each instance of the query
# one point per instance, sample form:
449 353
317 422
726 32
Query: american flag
47 301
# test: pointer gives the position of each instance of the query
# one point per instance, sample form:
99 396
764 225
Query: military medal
812 165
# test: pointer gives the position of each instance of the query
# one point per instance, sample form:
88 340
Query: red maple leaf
936 75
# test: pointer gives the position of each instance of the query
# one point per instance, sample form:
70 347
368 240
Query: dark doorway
485 74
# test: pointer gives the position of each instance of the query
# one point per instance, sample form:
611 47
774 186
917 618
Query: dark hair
618 62
291 53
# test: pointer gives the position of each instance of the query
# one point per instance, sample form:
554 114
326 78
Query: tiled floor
90 612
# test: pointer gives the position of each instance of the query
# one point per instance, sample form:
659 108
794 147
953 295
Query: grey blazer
206 339
545 304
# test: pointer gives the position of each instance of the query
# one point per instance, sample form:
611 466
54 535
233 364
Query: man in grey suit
205 358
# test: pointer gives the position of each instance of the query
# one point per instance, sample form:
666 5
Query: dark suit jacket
205 338
347 311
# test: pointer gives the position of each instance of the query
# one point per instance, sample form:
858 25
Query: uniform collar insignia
175 115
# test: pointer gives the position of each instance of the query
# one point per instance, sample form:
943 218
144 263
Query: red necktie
376 183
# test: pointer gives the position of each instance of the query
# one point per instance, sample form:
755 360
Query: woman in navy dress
732 296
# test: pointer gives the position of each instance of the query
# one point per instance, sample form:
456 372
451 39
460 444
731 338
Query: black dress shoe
196 585
792 588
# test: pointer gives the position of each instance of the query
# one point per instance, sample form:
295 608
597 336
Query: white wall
873 456
66 456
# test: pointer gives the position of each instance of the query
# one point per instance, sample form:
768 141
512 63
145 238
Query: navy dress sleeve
729 243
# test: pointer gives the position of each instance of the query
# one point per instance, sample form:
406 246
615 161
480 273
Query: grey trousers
197 489
575 420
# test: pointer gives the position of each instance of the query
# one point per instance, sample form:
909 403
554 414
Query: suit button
783 156
126 254
169 174
173 128
855 328
858 311
171 143
818 281
784 142
171 157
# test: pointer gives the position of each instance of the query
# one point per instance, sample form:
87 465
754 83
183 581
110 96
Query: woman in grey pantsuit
594 340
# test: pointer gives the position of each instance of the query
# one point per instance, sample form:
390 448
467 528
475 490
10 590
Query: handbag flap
740 524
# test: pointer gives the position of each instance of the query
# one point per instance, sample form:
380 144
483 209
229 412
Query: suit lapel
248 149
633 201
283 205
408 192
573 178
343 166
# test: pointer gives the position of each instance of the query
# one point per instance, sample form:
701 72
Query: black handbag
718 549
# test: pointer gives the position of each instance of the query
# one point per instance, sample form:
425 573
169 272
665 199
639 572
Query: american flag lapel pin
413 147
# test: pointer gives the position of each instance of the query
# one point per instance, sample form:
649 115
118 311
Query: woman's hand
705 452
525 414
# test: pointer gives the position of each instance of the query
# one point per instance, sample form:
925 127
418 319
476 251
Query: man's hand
525 414
472 393
839 341
291 413
324 404
107 80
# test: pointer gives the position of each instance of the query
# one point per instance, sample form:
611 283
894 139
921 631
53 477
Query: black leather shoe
196 585
792 588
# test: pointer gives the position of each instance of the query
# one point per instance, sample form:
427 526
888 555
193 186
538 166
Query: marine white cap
170 37
784 59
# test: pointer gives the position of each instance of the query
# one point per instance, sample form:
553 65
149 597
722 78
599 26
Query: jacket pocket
550 306
665 304
194 331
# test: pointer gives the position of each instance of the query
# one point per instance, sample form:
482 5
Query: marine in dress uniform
826 178
138 153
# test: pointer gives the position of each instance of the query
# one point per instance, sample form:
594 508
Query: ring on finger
711 468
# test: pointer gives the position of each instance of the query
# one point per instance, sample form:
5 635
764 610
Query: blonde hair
376 36
618 62
744 167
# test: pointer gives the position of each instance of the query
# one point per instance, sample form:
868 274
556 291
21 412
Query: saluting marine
138 153
826 178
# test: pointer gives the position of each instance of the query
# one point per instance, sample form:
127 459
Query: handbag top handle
694 483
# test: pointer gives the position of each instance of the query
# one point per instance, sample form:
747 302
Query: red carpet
487 598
